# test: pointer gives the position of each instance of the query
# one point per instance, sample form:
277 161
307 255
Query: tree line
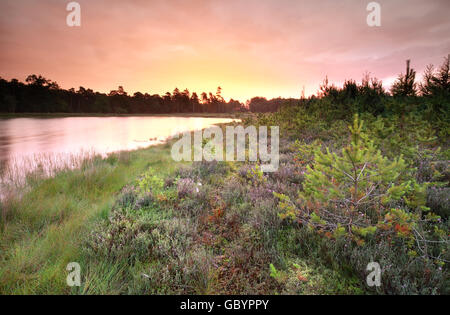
41 95
432 94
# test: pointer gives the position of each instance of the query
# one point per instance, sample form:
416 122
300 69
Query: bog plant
408 135
256 175
150 182
358 192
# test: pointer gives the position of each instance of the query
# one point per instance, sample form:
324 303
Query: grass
41 230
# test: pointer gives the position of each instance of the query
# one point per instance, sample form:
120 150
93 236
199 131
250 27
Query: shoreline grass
41 230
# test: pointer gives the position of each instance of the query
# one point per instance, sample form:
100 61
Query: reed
48 205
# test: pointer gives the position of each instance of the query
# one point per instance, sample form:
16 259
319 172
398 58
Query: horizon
265 49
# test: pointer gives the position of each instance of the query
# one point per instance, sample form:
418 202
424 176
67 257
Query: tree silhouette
195 102
405 84
436 82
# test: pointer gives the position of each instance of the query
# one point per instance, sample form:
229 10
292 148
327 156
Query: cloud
264 47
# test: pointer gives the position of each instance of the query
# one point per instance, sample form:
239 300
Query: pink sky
250 48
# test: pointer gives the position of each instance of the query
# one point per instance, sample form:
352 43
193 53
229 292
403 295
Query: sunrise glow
249 48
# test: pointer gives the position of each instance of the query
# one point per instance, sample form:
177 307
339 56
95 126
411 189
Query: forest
41 95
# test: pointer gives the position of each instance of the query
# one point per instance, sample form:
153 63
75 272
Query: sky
250 48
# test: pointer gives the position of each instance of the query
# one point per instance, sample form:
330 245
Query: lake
23 141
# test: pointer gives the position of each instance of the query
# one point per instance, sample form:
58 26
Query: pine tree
436 82
350 192
405 84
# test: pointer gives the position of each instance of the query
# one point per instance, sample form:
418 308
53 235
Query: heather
228 228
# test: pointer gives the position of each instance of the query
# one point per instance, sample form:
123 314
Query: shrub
353 196
186 172
127 197
150 182
288 173
171 238
438 201
186 187
145 201
123 237
256 176
205 169
347 192
234 191
256 193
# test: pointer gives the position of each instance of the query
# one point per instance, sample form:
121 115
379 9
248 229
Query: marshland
363 177
94 96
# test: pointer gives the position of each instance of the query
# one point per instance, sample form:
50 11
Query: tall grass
45 213
18 173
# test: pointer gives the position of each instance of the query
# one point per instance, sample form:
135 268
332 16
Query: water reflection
23 138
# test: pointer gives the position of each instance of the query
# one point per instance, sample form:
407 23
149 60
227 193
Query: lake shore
42 229
63 115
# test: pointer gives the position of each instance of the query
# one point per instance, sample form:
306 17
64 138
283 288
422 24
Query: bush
150 182
288 173
127 197
145 201
438 201
124 237
310 228
186 187
360 197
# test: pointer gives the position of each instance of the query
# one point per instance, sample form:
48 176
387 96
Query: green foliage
305 152
287 209
348 194
397 220
353 184
256 175
122 238
407 135
47 222
276 274
150 182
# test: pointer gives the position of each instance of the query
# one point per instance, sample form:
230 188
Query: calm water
21 139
